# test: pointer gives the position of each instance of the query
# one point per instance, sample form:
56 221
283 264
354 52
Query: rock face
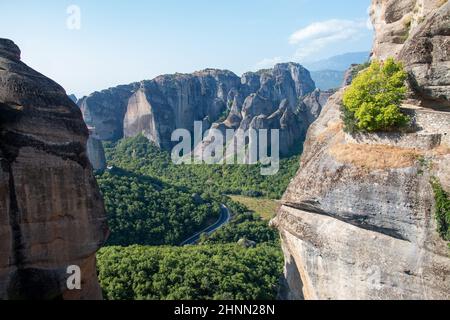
417 33
357 222
155 108
96 153
395 20
426 55
106 110
51 212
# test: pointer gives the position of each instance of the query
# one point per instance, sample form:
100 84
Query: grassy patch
374 156
266 208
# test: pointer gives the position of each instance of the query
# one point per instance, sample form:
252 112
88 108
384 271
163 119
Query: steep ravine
51 212
357 221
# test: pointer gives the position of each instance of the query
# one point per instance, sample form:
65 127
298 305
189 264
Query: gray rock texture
51 211
357 221
264 99
105 110
426 56
96 153
416 32
395 20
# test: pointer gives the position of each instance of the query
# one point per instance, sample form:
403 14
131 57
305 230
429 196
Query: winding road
225 216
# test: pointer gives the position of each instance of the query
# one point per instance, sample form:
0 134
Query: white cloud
319 35
330 30
268 62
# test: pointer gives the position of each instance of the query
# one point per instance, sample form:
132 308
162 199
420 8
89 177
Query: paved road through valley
224 218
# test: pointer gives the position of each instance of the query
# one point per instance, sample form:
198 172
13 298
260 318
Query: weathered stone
157 107
96 153
426 56
51 211
416 32
360 224
394 21
105 110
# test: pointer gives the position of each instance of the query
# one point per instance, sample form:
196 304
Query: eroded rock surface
264 99
357 221
417 32
395 20
426 56
51 211
96 153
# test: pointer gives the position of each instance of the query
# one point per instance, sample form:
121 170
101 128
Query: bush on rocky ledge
442 210
371 103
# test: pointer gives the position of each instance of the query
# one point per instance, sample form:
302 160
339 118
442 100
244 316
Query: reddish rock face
52 215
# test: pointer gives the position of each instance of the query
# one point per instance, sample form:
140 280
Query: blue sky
125 41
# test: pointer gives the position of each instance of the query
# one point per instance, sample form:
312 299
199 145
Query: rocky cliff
265 99
357 222
96 153
51 212
416 32
395 20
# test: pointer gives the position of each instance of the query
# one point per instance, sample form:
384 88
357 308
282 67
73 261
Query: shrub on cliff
372 101
442 210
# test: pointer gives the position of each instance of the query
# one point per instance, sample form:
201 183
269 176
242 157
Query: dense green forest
220 271
141 156
153 204
143 210
243 225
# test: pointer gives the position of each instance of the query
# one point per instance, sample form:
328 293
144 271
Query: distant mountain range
329 73
338 63
328 79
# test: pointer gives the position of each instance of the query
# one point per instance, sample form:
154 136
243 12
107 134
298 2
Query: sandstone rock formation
357 222
417 33
395 20
105 110
51 212
96 153
265 99
426 55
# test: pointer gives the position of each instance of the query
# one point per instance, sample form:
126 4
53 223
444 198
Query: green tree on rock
372 101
